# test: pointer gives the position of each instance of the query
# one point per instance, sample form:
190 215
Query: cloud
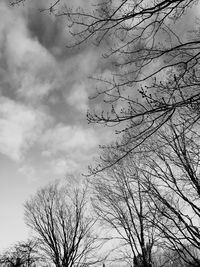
63 166
34 76
77 87
67 139
31 67
28 172
69 148
51 30
20 126
78 97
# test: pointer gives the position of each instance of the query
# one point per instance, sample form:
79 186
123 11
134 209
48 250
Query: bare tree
63 226
23 254
122 204
150 56
170 172
160 178
174 258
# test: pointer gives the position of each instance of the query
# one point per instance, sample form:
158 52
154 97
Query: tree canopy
62 225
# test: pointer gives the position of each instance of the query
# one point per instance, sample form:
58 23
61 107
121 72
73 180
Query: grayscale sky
44 89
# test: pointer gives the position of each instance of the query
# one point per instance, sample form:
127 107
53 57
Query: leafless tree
63 226
162 178
150 56
23 254
170 173
174 258
122 204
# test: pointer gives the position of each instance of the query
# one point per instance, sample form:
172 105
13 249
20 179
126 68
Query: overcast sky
44 91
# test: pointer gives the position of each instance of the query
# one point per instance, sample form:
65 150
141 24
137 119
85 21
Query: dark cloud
44 29
51 31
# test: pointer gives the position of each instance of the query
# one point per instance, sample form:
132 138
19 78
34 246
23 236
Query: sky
44 89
